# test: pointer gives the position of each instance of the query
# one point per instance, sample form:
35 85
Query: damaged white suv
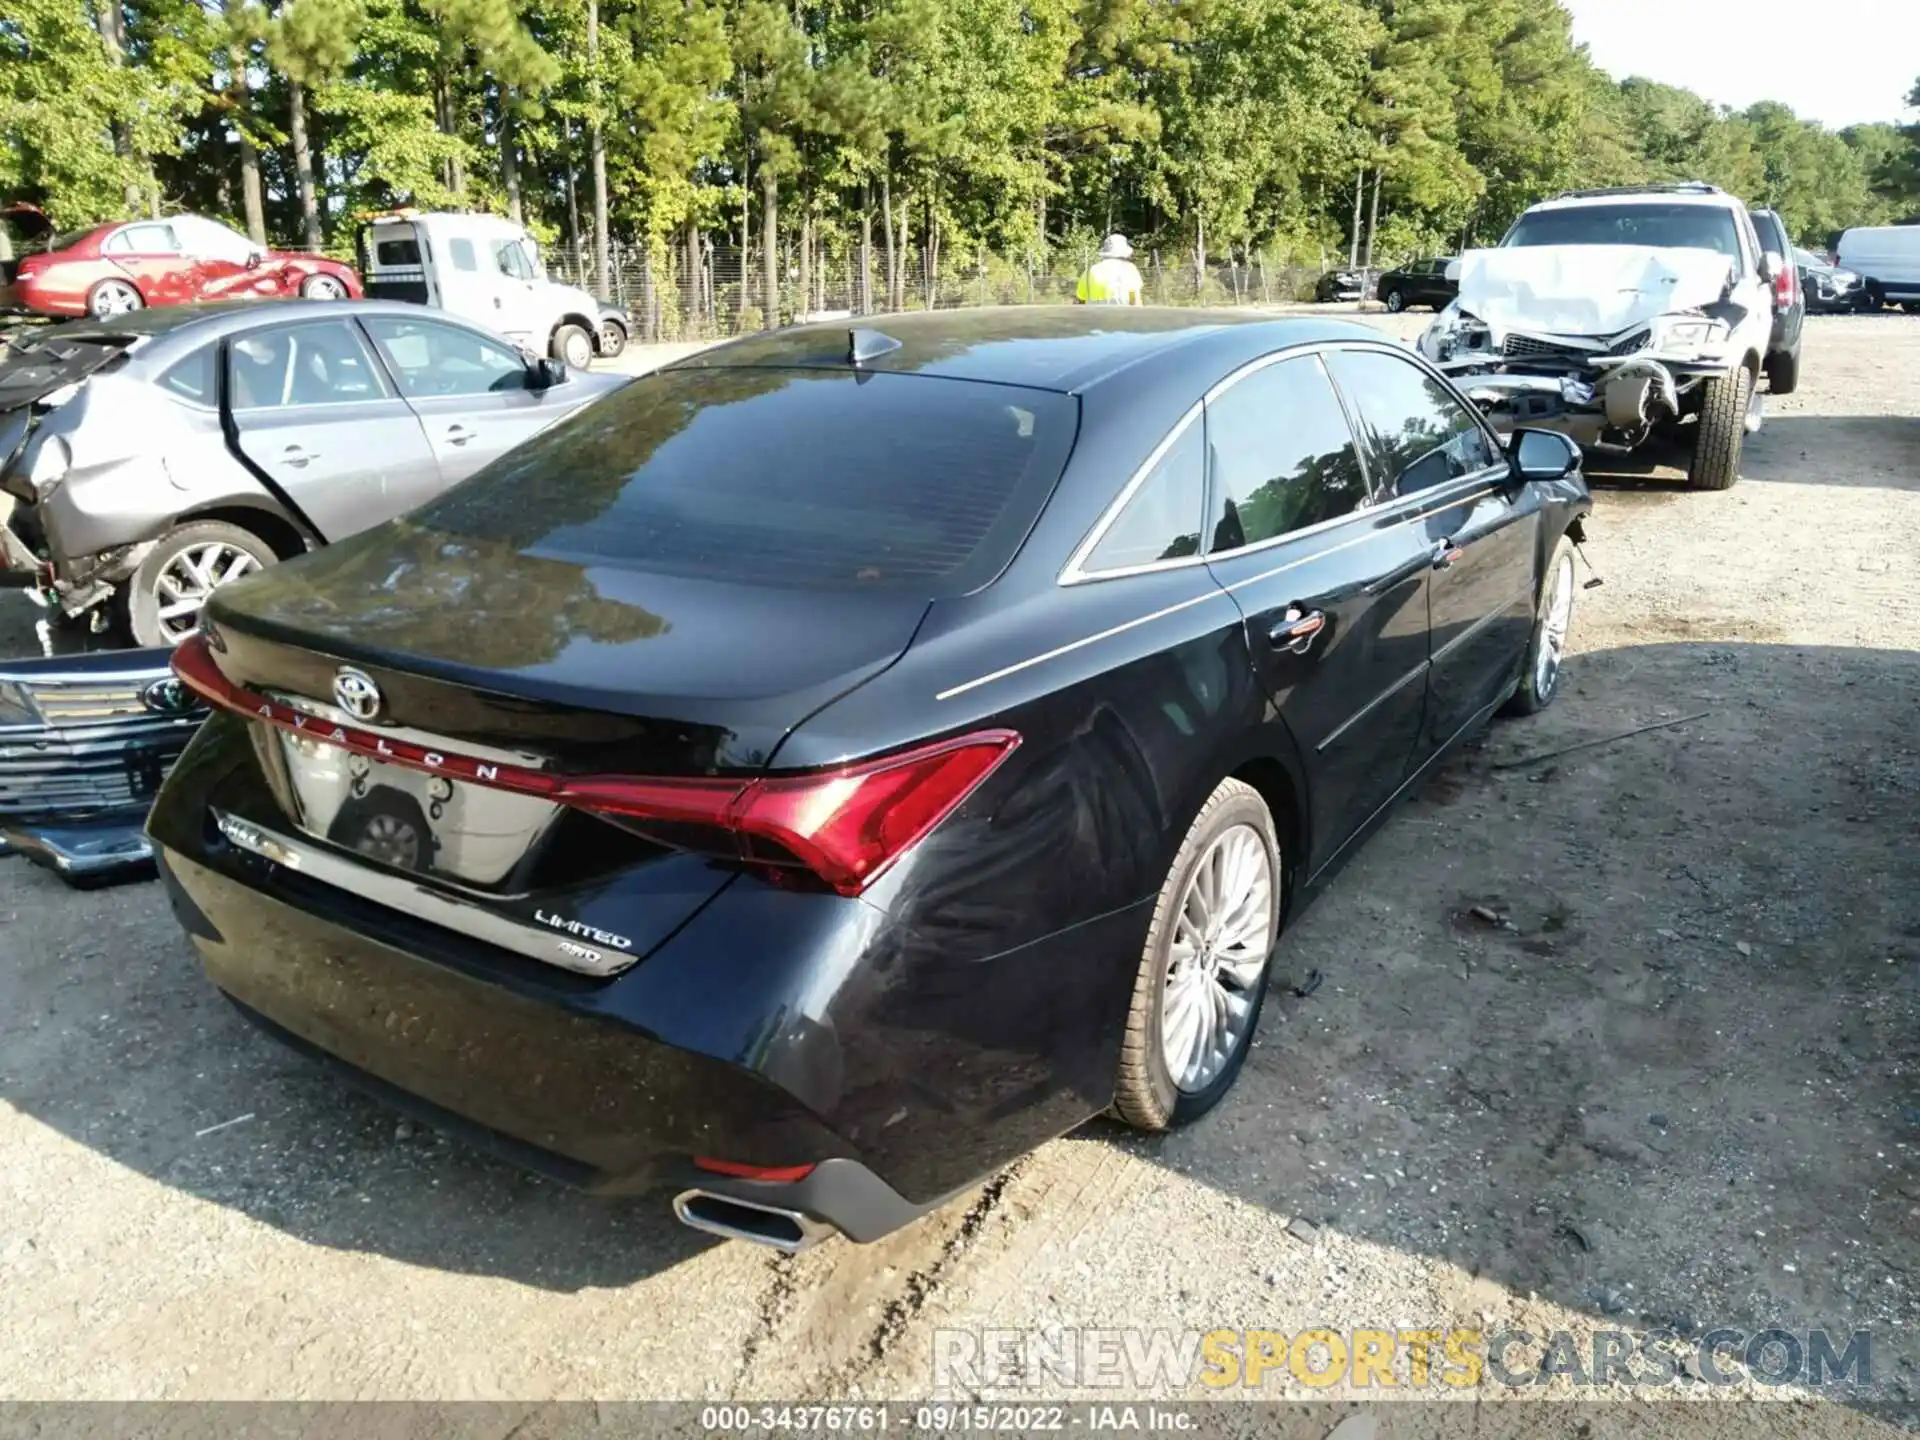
1606 314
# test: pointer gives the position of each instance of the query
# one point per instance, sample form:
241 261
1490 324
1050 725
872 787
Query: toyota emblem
167 697
356 694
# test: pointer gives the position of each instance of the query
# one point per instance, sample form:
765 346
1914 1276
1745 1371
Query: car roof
1069 348
1710 199
220 317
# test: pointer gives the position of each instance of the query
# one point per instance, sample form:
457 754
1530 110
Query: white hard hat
1115 247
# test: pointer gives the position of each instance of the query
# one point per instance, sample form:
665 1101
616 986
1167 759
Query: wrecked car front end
1602 343
84 742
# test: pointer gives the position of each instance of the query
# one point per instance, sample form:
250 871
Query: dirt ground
1671 1083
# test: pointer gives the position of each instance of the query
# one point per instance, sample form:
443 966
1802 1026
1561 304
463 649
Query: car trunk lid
468 724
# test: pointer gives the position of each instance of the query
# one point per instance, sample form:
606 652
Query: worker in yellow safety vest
1113 279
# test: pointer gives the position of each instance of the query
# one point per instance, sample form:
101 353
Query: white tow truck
487 270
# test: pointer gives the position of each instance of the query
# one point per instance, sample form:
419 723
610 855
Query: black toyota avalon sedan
824 770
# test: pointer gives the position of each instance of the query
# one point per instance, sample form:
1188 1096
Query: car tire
113 297
201 550
1783 373
1396 302
1546 648
573 345
322 287
612 339
1182 980
1873 297
1722 429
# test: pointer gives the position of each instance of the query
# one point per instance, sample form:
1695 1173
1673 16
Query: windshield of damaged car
1679 227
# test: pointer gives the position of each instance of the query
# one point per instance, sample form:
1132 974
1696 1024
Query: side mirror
1453 271
546 372
1543 454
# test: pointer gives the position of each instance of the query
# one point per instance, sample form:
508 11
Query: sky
1836 61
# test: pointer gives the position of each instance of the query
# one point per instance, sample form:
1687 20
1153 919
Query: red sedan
112 269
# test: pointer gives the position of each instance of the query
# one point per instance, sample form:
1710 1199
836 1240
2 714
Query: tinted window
322 363
392 254
1280 455
783 477
1415 432
1687 227
461 253
1162 520
195 378
431 359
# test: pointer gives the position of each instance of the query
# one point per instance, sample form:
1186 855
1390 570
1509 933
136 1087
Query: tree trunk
1359 193
1373 218
597 142
906 250
509 164
1199 255
112 23
252 196
863 292
303 164
573 198
695 288
806 256
886 233
770 246
746 249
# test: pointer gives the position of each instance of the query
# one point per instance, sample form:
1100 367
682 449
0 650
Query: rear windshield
1683 227
816 478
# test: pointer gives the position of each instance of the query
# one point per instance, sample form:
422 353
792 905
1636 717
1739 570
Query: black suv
1789 302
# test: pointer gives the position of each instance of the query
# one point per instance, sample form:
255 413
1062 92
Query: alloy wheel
324 287
182 588
1218 957
578 350
114 298
1554 623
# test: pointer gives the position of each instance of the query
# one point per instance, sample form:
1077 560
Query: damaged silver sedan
1610 315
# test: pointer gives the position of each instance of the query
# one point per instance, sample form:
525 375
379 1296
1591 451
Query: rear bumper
704 1049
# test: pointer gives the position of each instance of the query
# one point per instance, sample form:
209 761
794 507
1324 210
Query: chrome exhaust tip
735 1219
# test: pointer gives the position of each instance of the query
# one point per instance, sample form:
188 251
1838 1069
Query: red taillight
844 825
778 1174
1784 280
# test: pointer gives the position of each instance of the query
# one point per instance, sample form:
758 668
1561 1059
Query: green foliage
1004 136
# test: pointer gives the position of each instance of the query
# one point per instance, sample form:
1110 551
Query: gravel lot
1672 1083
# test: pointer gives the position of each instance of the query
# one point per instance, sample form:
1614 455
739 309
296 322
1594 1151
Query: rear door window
1281 457
815 478
321 363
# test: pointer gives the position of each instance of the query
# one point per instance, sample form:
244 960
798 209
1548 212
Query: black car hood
748 661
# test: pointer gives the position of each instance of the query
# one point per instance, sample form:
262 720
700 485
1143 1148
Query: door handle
1295 631
297 457
458 435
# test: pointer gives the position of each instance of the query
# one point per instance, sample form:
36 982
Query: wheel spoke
178 608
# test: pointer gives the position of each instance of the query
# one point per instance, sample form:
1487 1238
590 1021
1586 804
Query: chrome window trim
1074 571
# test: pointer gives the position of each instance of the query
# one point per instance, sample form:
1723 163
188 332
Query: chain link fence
723 294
